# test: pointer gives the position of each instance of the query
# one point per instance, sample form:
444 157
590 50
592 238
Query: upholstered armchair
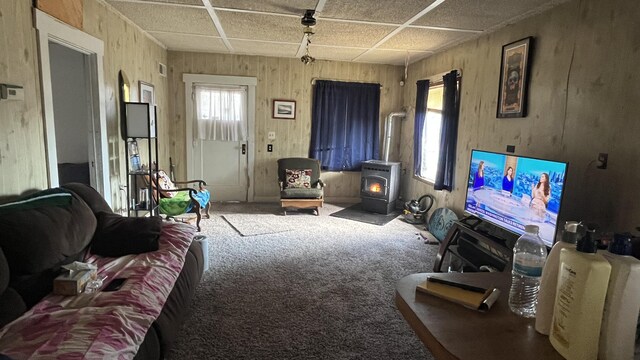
300 184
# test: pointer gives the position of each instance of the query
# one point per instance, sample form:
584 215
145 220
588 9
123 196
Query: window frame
436 81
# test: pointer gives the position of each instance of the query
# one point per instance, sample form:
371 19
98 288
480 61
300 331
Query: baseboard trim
327 199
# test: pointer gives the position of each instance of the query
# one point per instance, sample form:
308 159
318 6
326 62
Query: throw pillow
300 179
118 236
165 183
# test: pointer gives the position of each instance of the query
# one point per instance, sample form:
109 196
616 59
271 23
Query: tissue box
72 282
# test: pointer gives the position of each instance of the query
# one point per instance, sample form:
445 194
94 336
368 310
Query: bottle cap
572 232
531 228
621 244
588 243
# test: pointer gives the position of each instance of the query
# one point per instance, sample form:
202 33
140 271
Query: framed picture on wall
147 93
284 109
514 78
148 96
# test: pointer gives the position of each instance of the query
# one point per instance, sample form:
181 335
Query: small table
451 331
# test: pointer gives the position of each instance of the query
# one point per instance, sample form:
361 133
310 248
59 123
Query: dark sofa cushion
41 231
93 198
4 272
118 236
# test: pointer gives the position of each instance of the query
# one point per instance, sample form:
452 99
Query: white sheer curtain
220 113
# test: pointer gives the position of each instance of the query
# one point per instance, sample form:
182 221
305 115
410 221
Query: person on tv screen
541 194
478 179
507 180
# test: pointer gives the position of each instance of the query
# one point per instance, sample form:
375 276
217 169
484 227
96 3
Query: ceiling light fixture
308 21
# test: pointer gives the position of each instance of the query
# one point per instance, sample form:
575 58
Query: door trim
50 29
251 83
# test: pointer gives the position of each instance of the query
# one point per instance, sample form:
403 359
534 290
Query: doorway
72 113
226 165
82 140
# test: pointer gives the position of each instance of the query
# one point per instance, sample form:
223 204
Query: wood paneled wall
22 154
583 86
129 49
280 78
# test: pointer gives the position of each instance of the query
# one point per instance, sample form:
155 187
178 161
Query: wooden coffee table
451 331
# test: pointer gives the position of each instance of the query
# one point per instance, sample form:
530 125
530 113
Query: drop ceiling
371 31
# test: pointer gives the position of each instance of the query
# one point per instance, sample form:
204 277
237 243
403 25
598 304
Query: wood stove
379 185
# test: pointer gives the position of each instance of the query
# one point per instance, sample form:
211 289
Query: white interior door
223 166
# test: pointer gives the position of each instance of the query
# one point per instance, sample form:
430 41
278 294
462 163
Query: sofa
46 230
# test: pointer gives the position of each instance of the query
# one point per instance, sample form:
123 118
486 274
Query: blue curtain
345 124
449 134
421 114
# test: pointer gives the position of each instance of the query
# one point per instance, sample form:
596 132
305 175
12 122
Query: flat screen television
524 199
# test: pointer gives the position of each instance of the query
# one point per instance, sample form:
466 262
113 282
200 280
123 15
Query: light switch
271 135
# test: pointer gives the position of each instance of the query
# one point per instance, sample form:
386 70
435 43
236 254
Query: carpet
256 224
356 213
324 290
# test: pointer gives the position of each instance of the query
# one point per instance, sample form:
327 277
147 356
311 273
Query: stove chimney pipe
388 133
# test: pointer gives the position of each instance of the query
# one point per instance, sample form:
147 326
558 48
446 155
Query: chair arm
201 183
191 191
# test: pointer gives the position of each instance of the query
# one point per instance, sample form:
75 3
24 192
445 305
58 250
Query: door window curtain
449 134
345 124
220 113
418 127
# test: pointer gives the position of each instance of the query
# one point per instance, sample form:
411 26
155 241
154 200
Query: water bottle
529 255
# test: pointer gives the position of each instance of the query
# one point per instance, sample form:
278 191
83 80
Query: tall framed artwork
148 96
514 78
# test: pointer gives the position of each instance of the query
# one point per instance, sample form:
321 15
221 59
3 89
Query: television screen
513 191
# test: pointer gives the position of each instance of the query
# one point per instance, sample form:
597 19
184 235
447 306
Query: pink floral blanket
103 324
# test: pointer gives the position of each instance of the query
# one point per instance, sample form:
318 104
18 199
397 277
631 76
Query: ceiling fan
308 21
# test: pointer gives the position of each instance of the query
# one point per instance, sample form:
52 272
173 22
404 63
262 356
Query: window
436 129
431 134
220 113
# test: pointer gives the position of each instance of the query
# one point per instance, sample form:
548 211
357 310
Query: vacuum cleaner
415 212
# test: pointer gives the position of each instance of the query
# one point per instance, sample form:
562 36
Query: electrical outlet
601 163
270 148
271 135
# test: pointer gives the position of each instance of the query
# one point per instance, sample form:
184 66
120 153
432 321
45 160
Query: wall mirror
124 91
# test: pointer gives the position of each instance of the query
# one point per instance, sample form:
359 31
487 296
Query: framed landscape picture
514 78
284 109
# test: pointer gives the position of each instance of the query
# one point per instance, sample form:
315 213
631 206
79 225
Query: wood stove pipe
388 133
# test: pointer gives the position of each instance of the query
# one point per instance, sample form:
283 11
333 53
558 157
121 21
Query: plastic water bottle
529 255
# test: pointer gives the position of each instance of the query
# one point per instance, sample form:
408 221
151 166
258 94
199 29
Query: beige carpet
257 224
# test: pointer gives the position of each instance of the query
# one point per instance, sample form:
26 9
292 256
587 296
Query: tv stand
474 245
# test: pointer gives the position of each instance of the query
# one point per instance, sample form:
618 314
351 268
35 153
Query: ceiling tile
264 48
391 57
334 53
377 11
477 15
180 2
276 6
423 39
260 27
184 42
348 34
153 17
